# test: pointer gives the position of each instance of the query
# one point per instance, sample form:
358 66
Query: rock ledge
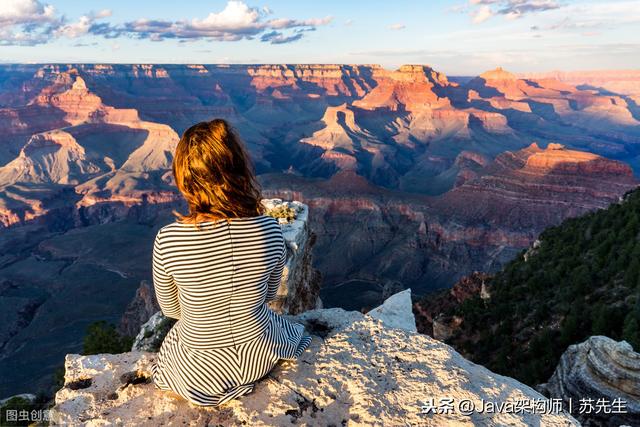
357 371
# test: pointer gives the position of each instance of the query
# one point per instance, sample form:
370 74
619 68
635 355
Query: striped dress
216 282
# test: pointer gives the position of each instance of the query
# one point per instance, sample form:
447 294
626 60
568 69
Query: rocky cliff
535 187
605 371
359 370
620 82
429 242
95 154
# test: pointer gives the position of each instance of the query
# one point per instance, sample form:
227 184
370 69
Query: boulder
599 368
396 312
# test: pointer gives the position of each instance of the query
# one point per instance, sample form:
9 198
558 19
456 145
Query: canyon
413 178
562 316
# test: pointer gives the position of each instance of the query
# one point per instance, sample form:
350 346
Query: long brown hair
214 174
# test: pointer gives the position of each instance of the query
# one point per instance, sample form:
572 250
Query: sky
458 37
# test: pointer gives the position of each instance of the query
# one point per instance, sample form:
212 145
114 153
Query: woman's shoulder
182 227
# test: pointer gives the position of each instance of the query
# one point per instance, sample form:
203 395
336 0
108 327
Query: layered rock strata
599 369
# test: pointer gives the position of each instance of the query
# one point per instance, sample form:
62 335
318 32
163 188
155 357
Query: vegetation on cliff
582 279
103 337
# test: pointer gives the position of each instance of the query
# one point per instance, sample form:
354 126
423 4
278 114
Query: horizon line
373 65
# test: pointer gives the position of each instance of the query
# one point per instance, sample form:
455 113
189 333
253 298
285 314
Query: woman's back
216 277
224 271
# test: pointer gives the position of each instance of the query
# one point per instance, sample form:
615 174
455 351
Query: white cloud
587 18
481 10
482 14
26 22
76 29
83 26
288 23
236 21
397 26
236 16
30 22
14 12
104 13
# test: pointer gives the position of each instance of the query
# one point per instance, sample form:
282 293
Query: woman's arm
165 287
276 275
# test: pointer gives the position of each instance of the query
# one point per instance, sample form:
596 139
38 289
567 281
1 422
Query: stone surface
152 333
140 309
599 368
300 285
356 372
396 312
535 187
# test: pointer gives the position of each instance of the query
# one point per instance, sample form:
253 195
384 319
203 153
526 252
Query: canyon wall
601 369
92 143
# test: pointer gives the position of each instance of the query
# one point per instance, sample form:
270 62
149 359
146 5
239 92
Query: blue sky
459 37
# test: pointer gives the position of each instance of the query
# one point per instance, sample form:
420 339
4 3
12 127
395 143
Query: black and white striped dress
216 282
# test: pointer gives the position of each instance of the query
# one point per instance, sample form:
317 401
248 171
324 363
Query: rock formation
621 82
599 368
429 242
411 129
140 310
395 312
357 371
300 284
535 187
554 100
100 155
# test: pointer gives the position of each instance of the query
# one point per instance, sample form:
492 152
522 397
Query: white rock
396 311
355 372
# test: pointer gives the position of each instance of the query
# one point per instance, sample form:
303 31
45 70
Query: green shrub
102 337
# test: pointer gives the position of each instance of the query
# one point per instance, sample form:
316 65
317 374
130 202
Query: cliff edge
359 370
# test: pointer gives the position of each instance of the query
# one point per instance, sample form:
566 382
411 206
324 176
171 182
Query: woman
214 270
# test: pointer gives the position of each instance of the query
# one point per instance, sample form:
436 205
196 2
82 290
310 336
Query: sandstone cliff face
430 242
300 284
599 368
622 82
140 310
431 311
357 371
100 156
533 188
